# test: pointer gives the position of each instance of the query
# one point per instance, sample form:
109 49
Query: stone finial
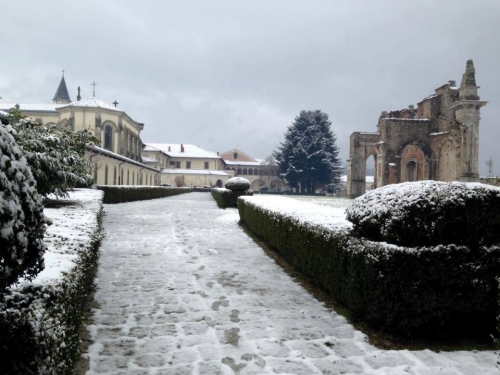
469 77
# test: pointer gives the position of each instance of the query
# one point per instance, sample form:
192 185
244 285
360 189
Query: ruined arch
362 146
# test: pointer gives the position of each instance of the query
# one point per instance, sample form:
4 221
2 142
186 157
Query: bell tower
467 114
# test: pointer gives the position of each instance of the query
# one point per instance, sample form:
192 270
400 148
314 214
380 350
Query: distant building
262 174
185 164
438 140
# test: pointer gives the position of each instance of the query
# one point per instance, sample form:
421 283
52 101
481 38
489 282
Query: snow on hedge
237 184
73 228
304 212
427 213
40 319
22 223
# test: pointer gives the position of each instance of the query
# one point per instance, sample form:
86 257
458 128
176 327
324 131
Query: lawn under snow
73 224
326 212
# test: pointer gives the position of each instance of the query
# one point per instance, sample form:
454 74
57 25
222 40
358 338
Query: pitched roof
175 150
93 103
62 93
30 106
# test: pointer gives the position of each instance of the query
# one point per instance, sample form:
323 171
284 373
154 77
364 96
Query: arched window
244 172
106 175
255 172
411 171
250 172
228 169
108 138
239 171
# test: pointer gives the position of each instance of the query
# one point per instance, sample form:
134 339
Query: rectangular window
188 165
177 164
206 165
172 163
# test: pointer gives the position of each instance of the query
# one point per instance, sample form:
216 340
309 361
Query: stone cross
93 84
115 103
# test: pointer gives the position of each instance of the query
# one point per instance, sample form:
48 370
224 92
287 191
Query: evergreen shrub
428 213
22 223
40 325
420 291
228 198
121 194
237 184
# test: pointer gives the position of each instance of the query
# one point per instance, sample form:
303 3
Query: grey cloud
224 74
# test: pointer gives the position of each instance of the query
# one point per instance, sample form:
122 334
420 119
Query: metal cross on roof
93 84
63 72
115 103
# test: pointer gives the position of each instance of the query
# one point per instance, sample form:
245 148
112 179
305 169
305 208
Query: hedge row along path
183 290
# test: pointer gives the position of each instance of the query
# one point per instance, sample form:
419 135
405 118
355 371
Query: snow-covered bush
444 290
22 223
237 184
228 198
429 213
55 154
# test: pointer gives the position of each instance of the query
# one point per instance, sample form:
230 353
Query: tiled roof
31 106
93 103
174 150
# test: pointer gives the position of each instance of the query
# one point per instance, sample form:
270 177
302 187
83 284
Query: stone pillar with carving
467 109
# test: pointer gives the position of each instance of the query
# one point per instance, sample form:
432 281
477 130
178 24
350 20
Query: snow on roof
92 103
248 163
194 171
174 150
2 113
103 151
146 159
31 106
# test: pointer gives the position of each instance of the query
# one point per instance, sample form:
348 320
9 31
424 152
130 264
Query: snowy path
183 290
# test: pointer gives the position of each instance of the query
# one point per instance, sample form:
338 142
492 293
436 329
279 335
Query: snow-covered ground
183 290
323 201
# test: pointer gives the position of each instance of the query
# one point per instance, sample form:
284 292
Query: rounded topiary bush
428 213
22 223
237 184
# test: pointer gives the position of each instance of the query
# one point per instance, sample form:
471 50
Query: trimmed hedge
425 291
228 198
40 326
429 213
121 194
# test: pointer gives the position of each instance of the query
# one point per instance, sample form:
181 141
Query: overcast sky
234 74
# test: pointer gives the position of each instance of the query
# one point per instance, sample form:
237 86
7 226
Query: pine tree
309 155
